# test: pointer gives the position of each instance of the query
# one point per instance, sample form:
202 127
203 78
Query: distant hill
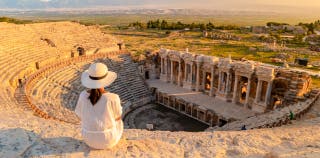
230 11
42 4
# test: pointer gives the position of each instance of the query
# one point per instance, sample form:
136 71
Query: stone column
198 77
203 80
268 94
227 89
161 68
185 72
179 74
248 93
235 89
211 81
167 69
219 81
258 92
165 66
198 114
171 75
191 73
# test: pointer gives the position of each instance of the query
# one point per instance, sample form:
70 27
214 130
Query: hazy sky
307 5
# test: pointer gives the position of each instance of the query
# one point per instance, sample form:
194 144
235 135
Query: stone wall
274 118
189 109
297 85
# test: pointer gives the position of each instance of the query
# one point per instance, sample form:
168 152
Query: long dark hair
95 95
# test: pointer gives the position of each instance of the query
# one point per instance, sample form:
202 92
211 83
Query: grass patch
142 40
15 21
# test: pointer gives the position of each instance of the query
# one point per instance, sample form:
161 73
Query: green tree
149 24
180 25
192 26
157 24
275 24
164 24
203 27
310 27
210 26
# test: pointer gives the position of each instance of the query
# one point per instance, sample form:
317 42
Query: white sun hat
97 76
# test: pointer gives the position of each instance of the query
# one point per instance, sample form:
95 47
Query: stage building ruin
217 91
253 85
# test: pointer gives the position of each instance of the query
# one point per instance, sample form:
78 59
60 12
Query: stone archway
189 109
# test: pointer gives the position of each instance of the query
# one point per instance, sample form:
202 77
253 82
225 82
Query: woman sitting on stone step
99 111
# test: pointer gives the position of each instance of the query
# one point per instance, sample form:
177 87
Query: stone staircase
129 85
21 99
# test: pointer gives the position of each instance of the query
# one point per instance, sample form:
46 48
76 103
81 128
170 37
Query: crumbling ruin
254 85
251 85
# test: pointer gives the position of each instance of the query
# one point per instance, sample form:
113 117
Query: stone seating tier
23 46
59 89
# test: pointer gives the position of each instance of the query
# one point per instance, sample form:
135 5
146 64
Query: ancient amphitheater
40 65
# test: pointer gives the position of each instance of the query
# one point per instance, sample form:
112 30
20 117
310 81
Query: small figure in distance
291 115
99 111
243 127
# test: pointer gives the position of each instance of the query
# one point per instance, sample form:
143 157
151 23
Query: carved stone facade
250 84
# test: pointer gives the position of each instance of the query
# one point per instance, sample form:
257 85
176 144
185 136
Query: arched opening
222 122
146 75
120 46
20 82
37 65
209 117
201 115
189 109
81 51
177 105
195 112
182 107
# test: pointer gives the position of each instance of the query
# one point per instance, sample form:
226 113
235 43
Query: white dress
100 130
